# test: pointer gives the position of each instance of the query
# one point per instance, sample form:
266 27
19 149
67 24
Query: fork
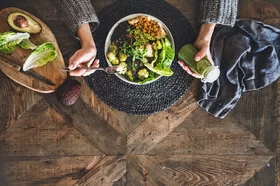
109 70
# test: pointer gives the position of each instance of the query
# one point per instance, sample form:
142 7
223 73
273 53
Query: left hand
84 57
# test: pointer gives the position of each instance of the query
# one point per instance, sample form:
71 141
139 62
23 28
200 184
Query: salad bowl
139 68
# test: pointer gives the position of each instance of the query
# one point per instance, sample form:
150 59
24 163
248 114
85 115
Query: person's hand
202 43
203 47
85 57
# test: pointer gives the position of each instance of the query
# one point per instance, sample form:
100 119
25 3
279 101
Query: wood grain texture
37 171
258 115
210 170
44 132
89 143
102 135
122 122
15 100
264 176
49 71
201 133
265 11
156 127
278 133
106 172
142 170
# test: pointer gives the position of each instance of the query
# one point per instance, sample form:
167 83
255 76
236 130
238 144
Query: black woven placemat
149 98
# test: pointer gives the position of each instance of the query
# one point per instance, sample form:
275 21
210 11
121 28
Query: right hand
202 43
85 57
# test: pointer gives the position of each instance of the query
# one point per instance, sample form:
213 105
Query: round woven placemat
149 98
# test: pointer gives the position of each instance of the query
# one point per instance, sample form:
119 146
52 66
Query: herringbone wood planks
89 143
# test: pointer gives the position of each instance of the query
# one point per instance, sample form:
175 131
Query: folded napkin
248 56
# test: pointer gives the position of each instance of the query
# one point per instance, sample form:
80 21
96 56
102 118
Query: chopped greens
145 49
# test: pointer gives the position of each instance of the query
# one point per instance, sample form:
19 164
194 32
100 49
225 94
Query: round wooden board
49 72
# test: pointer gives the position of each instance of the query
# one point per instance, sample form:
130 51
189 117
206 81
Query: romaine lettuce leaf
27 44
9 41
164 60
43 54
163 72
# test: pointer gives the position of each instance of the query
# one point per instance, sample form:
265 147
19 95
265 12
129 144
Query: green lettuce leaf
9 41
27 44
164 60
163 72
169 53
43 54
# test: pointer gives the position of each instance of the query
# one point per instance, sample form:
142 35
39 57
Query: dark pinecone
68 93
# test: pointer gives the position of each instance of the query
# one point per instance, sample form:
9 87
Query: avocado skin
33 26
68 92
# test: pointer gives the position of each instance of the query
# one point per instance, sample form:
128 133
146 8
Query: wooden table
89 143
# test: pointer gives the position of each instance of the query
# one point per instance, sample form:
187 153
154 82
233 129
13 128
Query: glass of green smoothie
203 67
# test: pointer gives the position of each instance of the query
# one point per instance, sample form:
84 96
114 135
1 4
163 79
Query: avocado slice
23 23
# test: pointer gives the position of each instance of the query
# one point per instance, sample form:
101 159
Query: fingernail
71 67
197 58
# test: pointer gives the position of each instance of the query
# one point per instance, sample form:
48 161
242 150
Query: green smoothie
203 67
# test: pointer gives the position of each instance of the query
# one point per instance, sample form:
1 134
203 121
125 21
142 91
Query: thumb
75 60
201 54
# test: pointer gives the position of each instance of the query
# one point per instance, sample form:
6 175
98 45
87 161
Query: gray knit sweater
78 12
218 11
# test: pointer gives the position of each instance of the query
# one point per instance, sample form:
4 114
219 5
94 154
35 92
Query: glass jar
203 67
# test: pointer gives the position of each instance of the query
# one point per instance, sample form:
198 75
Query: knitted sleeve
218 11
76 13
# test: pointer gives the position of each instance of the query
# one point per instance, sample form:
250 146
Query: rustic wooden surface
89 143
49 71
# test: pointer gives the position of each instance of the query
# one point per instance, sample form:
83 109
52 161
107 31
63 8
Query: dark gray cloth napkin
248 56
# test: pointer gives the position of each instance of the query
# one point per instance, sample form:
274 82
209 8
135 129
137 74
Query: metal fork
109 70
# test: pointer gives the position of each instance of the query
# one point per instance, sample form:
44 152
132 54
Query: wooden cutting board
45 79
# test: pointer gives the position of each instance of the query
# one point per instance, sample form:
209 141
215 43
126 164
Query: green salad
141 50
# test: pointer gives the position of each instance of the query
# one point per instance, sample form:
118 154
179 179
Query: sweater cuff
219 11
77 13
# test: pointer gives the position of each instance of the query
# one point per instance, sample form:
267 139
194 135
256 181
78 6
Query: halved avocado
23 23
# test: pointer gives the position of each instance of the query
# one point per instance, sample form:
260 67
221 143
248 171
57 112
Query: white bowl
126 18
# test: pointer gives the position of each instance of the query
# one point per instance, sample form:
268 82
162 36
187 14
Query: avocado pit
21 22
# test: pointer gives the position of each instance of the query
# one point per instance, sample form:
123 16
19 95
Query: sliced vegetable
23 23
27 44
10 40
143 74
160 71
43 54
122 68
122 57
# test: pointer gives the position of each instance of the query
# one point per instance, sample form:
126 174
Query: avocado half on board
23 23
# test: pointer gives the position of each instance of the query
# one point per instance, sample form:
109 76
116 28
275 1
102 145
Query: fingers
94 65
73 63
201 54
78 72
90 62
188 70
83 57
83 71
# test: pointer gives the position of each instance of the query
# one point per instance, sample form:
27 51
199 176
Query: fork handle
87 68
